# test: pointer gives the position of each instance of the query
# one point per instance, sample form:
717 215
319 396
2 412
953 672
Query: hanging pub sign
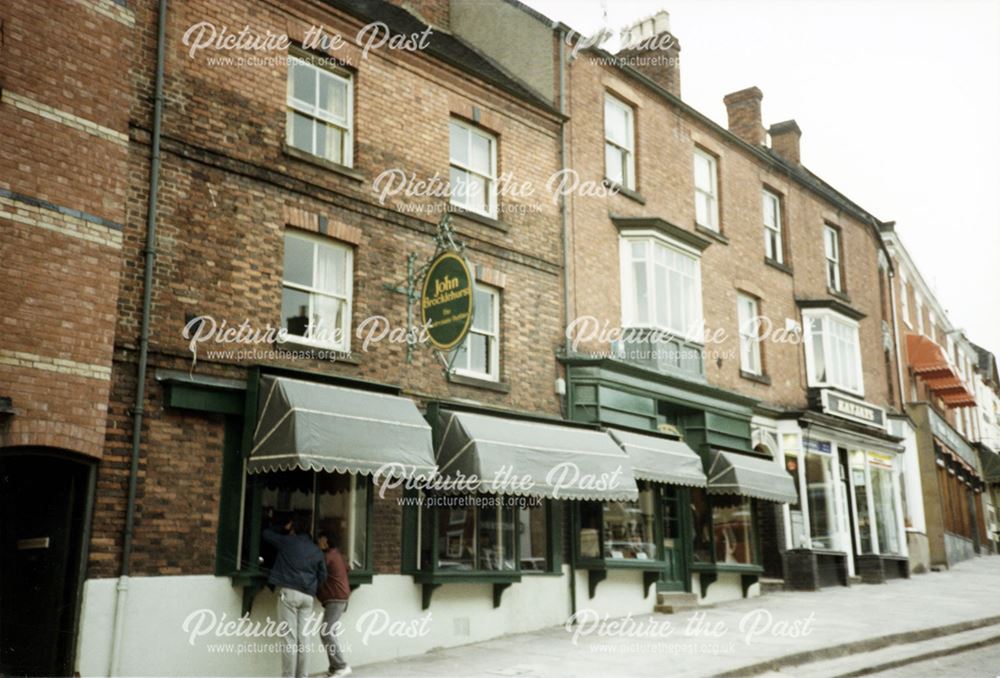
446 300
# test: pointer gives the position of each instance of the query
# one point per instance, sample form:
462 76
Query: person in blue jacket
299 569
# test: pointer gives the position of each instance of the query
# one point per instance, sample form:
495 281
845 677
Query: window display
819 485
732 522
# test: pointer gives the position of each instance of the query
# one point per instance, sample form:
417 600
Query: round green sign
446 301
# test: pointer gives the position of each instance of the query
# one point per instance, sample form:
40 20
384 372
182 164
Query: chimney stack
785 140
744 115
649 47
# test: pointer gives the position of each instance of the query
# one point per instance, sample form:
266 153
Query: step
878 653
670 602
771 585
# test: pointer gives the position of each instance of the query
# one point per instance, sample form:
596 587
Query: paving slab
748 632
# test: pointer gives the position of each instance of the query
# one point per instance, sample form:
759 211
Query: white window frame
629 178
932 325
628 297
494 356
749 334
904 300
712 195
348 297
832 248
918 304
827 316
772 233
345 125
491 178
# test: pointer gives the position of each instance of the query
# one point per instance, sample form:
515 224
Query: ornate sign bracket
412 288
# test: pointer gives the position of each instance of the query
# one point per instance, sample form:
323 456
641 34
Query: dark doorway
43 507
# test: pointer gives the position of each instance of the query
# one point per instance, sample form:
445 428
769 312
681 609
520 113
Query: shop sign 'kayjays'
446 300
855 410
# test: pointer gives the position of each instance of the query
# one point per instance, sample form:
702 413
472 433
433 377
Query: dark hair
332 538
300 524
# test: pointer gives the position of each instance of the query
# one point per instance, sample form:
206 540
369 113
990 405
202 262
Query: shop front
700 504
952 479
847 519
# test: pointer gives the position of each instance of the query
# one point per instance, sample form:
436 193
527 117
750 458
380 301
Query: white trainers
346 671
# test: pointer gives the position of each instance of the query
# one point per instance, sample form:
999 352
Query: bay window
619 142
473 172
661 286
706 190
773 248
316 292
833 351
320 110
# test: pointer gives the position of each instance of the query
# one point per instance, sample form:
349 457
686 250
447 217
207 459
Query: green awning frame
322 427
560 460
756 477
660 459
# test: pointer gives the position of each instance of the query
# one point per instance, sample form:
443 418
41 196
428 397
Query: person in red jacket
333 594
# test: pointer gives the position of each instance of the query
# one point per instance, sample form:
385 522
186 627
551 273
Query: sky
898 102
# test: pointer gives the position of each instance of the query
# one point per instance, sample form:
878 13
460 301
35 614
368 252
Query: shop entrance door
41 526
675 511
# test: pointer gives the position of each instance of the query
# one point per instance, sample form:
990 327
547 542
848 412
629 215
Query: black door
41 525
675 510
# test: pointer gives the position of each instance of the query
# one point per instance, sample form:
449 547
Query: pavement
836 631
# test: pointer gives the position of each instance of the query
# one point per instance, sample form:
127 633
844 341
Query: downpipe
122 588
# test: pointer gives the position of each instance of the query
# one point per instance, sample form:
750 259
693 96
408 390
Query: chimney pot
743 108
785 140
649 47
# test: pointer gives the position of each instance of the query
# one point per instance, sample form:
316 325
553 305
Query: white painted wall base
156 644
727 587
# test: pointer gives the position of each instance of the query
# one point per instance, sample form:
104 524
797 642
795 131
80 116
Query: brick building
707 227
946 517
63 186
699 315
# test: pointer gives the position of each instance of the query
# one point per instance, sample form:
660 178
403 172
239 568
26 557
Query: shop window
533 534
833 352
732 523
320 110
701 520
326 502
706 189
317 290
483 534
863 517
479 354
661 287
473 173
886 519
619 530
619 142
820 488
773 246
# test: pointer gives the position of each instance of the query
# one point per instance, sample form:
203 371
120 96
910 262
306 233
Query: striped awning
735 473
661 459
322 427
532 458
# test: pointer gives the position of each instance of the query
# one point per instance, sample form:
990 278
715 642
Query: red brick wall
227 194
666 138
64 116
